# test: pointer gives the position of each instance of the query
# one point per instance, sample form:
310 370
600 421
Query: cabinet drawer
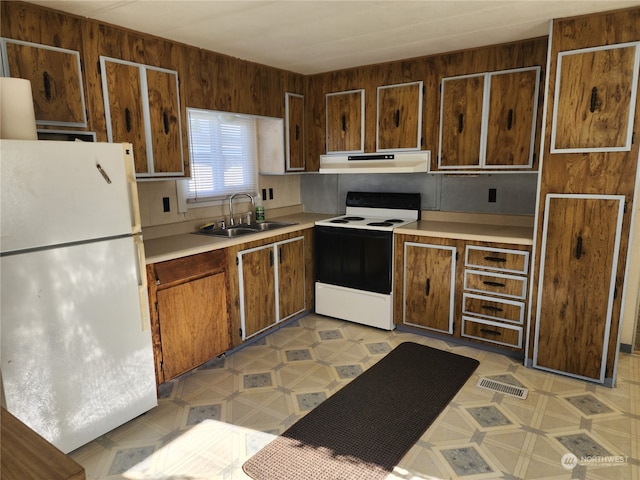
500 284
188 268
500 259
493 308
493 332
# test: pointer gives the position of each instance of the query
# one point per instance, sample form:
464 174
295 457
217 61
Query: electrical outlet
271 194
264 194
166 206
492 195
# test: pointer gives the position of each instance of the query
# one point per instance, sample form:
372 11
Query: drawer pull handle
491 308
490 332
510 119
494 284
397 118
594 104
344 123
460 123
428 287
495 259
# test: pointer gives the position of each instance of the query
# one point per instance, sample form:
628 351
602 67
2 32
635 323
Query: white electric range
354 257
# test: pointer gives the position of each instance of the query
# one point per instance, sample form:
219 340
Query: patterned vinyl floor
209 421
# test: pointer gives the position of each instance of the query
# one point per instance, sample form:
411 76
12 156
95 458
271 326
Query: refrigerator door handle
142 282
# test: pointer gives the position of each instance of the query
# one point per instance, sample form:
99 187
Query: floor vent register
501 387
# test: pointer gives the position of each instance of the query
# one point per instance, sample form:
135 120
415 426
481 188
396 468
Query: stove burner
339 220
395 220
353 219
380 224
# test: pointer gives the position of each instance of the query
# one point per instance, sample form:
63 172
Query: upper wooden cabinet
142 106
56 80
399 121
461 121
488 120
345 122
294 131
594 101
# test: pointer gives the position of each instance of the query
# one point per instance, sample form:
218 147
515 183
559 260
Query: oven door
354 258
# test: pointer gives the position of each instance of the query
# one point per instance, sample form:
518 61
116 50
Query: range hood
403 162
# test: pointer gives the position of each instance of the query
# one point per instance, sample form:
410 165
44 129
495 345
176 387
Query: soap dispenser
259 209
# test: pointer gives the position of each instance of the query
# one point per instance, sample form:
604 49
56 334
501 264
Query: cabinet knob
165 119
579 247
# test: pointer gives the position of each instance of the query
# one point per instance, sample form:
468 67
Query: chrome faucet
253 202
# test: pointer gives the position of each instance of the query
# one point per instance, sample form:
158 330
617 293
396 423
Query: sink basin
243 229
264 226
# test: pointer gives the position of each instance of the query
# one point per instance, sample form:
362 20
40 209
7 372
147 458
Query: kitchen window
223 152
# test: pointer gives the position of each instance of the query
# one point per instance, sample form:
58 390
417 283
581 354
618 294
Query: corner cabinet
488 121
345 122
188 298
399 121
594 101
294 132
579 255
142 107
271 282
56 80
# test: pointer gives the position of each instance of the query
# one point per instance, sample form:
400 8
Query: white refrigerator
75 344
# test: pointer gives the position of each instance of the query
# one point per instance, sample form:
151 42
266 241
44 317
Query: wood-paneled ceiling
311 36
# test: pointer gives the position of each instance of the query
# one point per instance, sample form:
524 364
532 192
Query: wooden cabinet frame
610 294
486 126
294 132
347 116
593 100
46 89
273 286
151 171
400 95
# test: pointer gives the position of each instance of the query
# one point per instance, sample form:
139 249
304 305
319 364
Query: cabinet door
461 121
429 286
399 117
594 99
513 102
125 112
345 121
294 106
291 277
164 120
257 290
581 236
193 323
56 81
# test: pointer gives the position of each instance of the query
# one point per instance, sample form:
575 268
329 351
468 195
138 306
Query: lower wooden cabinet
428 286
577 284
272 286
271 280
481 298
188 298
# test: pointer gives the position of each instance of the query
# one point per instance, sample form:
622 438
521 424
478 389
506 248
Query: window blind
223 149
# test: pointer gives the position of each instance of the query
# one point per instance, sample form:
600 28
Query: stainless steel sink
243 229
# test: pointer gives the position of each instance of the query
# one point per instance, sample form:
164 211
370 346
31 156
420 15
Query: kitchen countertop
484 232
185 244
517 230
